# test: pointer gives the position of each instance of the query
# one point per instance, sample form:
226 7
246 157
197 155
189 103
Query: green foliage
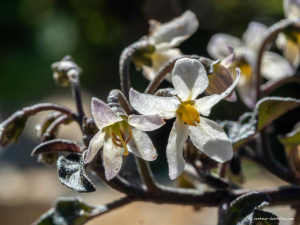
71 173
68 211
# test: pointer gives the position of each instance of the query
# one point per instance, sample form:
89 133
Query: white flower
189 79
289 41
120 135
273 66
167 36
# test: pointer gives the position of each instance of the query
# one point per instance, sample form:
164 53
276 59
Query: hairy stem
77 97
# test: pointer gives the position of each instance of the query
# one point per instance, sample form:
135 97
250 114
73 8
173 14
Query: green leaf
271 108
266 111
69 211
291 139
244 205
72 174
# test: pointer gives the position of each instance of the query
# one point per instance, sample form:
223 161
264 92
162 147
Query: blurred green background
36 33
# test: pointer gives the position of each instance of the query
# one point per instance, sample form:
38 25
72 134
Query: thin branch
33 110
54 126
124 64
273 32
223 169
103 209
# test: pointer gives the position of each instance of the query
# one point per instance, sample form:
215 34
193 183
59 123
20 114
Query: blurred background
35 33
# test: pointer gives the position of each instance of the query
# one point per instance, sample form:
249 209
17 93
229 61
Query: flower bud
65 70
11 129
45 123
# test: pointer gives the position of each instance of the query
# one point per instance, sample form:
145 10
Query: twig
102 209
223 169
77 96
124 64
54 126
33 110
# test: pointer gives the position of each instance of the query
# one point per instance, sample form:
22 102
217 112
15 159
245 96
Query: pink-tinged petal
175 31
275 67
204 105
254 35
231 97
95 144
146 123
112 158
102 114
147 104
217 46
246 92
141 145
189 79
211 139
229 59
177 138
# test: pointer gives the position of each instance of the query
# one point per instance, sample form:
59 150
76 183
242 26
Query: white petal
210 138
150 105
141 145
177 138
291 8
146 123
291 53
281 41
254 35
102 114
204 105
175 31
189 79
217 46
112 158
245 91
95 144
159 58
275 66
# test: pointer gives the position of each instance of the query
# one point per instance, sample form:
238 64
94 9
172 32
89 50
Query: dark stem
55 125
102 209
124 65
33 110
78 100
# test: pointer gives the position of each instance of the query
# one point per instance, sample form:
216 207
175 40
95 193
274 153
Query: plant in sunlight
197 145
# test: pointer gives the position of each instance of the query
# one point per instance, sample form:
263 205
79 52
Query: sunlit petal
189 79
150 105
177 138
175 31
291 53
146 123
102 114
210 138
112 158
141 145
95 144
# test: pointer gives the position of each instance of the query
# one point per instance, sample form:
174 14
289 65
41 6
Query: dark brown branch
103 209
78 100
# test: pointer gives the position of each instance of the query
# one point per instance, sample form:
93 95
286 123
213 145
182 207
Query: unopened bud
11 129
65 70
45 123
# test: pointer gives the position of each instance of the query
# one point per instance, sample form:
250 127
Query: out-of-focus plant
196 144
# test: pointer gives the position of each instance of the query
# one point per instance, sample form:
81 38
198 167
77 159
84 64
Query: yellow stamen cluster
118 135
246 70
189 114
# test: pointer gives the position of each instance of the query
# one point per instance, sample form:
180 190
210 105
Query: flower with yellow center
189 79
273 65
119 135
